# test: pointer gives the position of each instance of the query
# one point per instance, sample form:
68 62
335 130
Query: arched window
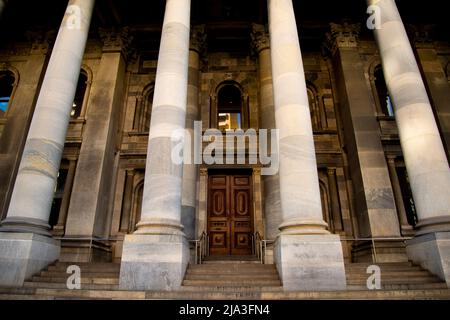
7 81
80 95
229 108
143 111
314 109
384 99
148 103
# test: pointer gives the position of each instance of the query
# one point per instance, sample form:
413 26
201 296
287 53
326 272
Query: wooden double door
230 213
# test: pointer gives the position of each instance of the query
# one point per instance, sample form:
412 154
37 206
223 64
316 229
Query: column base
153 262
432 252
23 255
26 225
310 262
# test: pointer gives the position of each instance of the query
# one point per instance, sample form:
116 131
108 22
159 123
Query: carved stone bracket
198 39
260 38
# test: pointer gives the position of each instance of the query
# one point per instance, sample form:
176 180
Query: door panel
230 224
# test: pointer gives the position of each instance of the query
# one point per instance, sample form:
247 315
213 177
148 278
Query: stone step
252 262
230 277
423 286
6 297
424 278
392 274
271 295
83 280
249 272
397 281
17 291
91 294
231 288
385 269
219 282
60 274
95 267
243 267
360 295
381 264
58 285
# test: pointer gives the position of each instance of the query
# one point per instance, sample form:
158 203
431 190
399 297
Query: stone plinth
310 262
154 262
23 255
432 252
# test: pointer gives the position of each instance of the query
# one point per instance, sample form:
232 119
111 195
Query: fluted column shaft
161 204
299 182
32 197
422 146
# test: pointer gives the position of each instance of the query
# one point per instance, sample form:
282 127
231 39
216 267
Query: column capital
116 40
421 35
391 157
204 172
260 38
342 35
41 41
331 171
198 38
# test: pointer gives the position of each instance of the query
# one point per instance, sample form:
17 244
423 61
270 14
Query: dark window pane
6 88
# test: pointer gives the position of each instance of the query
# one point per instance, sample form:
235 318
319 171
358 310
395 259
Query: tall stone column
435 78
272 202
156 256
24 246
307 256
190 170
423 150
14 135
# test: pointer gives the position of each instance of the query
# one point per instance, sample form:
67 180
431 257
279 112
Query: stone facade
350 173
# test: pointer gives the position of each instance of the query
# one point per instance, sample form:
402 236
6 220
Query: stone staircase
229 280
394 276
